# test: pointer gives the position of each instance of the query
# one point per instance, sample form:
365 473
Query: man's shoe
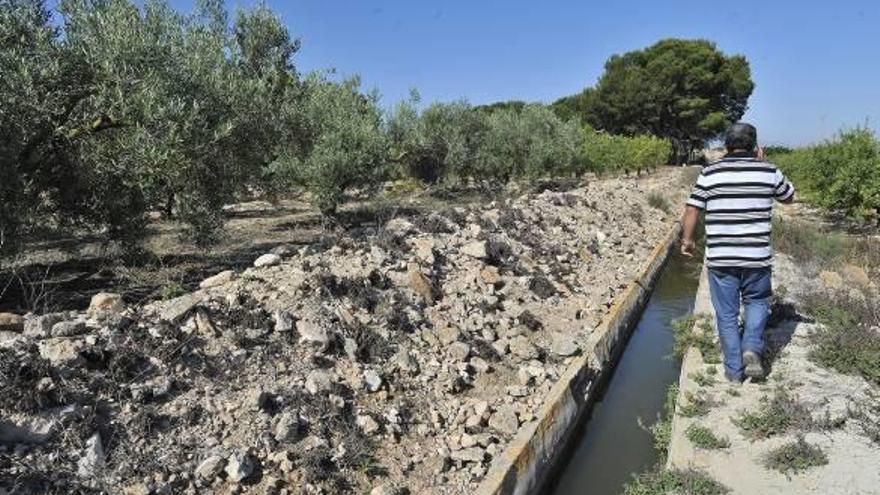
754 369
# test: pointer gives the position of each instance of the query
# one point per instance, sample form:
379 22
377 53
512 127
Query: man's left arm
784 190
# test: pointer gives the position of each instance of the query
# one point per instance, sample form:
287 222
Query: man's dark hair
741 136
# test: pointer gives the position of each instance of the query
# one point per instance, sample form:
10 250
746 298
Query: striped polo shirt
737 193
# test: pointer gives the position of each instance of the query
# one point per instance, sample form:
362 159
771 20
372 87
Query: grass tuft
777 415
657 200
795 457
704 438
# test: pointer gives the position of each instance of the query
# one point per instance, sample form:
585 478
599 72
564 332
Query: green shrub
662 482
704 438
695 331
840 174
795 457
777 415
848 341
607 153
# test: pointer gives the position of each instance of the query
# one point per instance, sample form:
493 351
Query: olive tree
440 142
340 142
532 142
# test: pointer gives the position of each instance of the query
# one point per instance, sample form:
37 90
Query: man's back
737 194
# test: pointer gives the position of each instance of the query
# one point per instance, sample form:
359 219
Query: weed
657 200
795 457
867 415
702 379
847 341
733 392
776 415
696 332
703 438
697 405
661 482
661 430
170 290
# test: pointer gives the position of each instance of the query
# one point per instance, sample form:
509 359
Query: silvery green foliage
185 106
440 142
529 143
44 183
340 144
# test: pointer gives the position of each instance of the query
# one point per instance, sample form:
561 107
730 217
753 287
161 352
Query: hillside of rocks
390 360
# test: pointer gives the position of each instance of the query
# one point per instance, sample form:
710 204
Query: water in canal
612 445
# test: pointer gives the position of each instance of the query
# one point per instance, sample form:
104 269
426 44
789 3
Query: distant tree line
113 109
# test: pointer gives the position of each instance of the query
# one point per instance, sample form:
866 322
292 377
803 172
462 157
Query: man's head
741 137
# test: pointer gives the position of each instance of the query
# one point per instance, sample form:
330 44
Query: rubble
400 358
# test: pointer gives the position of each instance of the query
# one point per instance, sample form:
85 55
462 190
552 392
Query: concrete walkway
853 461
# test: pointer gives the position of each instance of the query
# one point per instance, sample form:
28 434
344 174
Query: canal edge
681 453
526 464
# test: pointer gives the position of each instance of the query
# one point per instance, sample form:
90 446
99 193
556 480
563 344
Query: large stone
490 275
92 459
564 345
523 349
476 249
176 309
268 259
319 381
11 322
68 328
287 428
447 334
239 467
504 420
312 334
105 303
473 454
61 351
40 327
211 467
372 380
386 489
419 283
459 351
221 278
367 424
35 429
283 321
399 226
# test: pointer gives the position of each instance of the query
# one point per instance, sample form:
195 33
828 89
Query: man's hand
687 247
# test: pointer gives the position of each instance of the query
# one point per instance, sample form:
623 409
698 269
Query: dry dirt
390 358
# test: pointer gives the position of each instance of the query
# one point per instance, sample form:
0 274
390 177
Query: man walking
737 194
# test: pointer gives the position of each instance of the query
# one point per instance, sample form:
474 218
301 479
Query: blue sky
815 63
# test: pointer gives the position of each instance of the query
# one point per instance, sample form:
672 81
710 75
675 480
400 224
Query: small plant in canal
704 438
661 482
795 457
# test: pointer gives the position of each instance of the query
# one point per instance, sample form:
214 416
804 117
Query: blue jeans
728 286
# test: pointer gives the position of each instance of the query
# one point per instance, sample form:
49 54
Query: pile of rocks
400 359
